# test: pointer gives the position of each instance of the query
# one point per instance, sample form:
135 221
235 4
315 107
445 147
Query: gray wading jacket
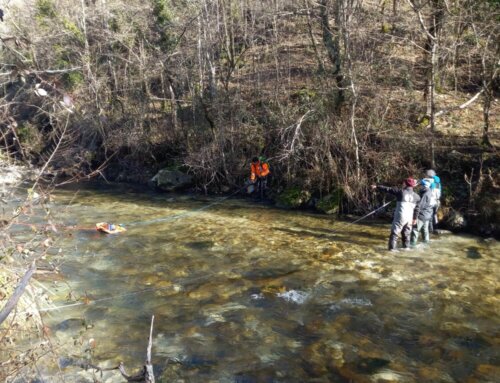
406 199
424 209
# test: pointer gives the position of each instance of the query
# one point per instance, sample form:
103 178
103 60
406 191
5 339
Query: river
243 292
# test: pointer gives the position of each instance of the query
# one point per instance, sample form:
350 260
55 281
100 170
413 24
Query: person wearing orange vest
259 171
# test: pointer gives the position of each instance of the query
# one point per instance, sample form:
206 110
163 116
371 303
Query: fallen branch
56 71
459 107
472 99
12 302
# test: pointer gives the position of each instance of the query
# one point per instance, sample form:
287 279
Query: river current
243 292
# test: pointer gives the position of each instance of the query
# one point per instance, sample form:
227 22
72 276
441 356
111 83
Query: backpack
436 188
263 160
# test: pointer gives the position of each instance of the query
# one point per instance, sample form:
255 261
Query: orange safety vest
259 169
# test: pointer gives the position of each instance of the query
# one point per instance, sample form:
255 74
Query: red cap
411 182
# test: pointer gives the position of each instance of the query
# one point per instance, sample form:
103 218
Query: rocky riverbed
247 293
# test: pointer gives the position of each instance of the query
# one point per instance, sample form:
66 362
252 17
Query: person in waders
436 189
423 212
402 221
259 172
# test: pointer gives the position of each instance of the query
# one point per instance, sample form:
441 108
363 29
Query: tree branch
421 20
463 106
12 302
471 100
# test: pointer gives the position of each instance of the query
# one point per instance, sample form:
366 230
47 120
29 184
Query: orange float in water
109 228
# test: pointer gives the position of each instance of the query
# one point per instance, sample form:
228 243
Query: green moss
469 37
25 133
63 56
114 24
305 95
330 203
424 122
45 9
293 197
386 28
162 11
74 30
29 137
73 79
439 85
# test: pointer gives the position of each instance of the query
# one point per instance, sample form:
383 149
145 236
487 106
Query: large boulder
293 197
330 203
171 180
456 220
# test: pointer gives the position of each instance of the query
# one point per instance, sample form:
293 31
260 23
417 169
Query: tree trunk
332 45
321 68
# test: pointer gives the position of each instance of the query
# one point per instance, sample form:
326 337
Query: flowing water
243 292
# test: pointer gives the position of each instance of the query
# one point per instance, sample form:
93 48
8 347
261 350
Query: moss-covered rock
330 203
293 197
170 180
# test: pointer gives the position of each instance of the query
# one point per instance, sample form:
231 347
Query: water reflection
248 293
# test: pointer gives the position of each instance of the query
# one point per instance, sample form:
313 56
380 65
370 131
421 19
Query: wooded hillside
338 94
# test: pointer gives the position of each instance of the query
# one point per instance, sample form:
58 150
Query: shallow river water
244 292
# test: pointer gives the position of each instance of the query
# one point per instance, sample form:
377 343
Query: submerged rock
70 324
200 245
268 273
488 371
336 353
387 376
96 313
430 374
370 365
473 253
294 296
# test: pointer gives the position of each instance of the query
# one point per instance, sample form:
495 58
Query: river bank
24 321
470 200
